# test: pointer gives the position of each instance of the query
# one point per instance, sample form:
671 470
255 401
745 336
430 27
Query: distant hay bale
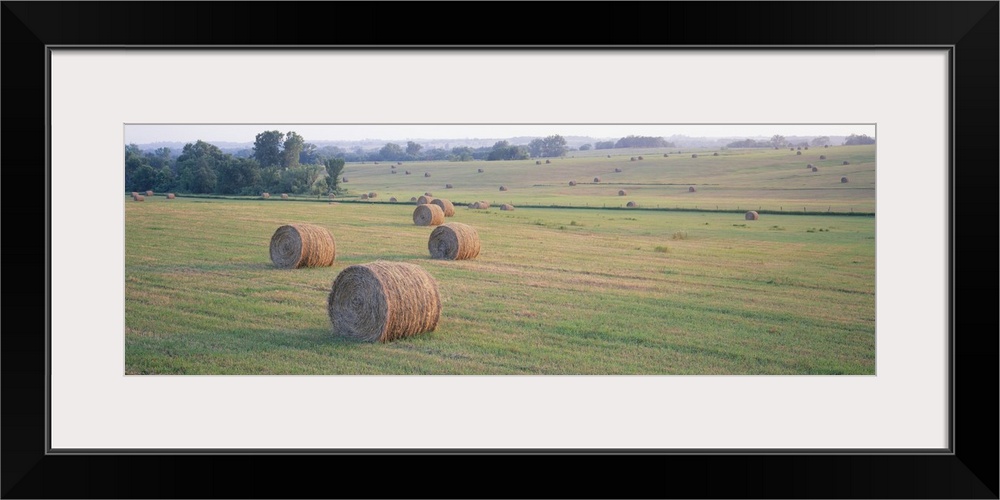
383 301
138 197
428 194
284 196
597 179
631 204
135 193
454 241
572 183
413 198
399 163
425 199
810 165
480 205
392 171
822 157
265 195
392 199
618 170
548 161
846 162
481 170
364 196
373 194
149 193
826 146
691 189
171 196
631 159
428 215
799 148
814 169
694 155
427 174
639 157
843 180
446 206
407 172
715 154
344 179
791 149
503 188
302 245
609 156
798 153
622 192
752 215
776 147
807 148
538 162
507 206
665 155
484 204
448 186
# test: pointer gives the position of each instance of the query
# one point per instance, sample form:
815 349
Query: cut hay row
383 301
428 215
454 241
302 245
446 206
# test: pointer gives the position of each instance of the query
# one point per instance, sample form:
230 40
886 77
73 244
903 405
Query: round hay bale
446 206
407 172
364 196
609 156
171 196
376 163
846 162
284 196
631 204
843 180
484 204
428 215
791 149
799 148
503 188
392 199
399 163
715 154
425 199
392 171
481 170
826 146
694 155
776 147
572 183
138 197
149 193
752 215
302 245
428 194
413 198
427 174
665 155
373 194
454 241
631 159
807 148
448 186
538 162
597 179
548 161
135 193
814 169
622 192
810 165
507 206
798 153
265 195
640 158
822 157
344 179
474 204
691 189
383 301
618 170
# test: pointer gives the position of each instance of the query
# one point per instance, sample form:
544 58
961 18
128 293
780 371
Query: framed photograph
735 256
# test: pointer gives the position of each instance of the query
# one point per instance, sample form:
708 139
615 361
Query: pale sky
144 134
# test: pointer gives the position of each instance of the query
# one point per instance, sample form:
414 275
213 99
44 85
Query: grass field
554 291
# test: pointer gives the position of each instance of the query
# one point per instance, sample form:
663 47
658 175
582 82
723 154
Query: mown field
554 291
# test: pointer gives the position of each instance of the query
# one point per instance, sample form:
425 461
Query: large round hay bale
373 194
798 153
149 193
694 155
446 206
618 170
448 186
425 199
265 195
822 157
806 148
302 245
284 196
597 179
171 196
631 204
427 174
484 204
799 148
428 215
392 171
609 156
752 215
392 199
383 301
503 188
572 183
507 206
846 162
622 192
538 162
691 189
843 180
138 197
454 241
791 149
364 196
480 170
814 169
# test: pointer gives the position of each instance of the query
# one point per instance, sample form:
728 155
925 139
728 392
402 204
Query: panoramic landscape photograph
507 249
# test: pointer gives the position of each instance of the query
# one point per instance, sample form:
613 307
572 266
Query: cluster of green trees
639 141
749 143
857 140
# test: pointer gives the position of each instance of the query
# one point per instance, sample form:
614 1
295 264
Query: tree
778 141
535 147
585 147
502 150
821 141
413 148
293 146
267 148
641 141
857 140
462 153
238 176
309 154
196 167
604 145
334 167
391 152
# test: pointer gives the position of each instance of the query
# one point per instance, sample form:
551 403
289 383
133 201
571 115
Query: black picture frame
969 470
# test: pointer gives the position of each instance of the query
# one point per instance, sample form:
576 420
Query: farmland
582 290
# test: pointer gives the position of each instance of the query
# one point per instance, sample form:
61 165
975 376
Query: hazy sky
144 134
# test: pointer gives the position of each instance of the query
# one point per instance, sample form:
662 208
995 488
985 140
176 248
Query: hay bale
265 195
171 196
798 153
622 192
284 196
425 199
383 301
149 193
413 199
427 174
138 197
752 215
843 180
814 169
302 245
373 194
448 186
597 179
135 193
548 161
344 179
572 183
364 196
715 154
392 199
428 215
631 204
507 206
480 205
810 165
807 148
503 188
538 162
428 194
640 158
822 157
454 241
609 156
776 147
618 170
665 155
791 149
846 162
631 159
407 172
399 163
446 206
480 170
694 155
826 146
392 171
799 148
484 204
691 189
